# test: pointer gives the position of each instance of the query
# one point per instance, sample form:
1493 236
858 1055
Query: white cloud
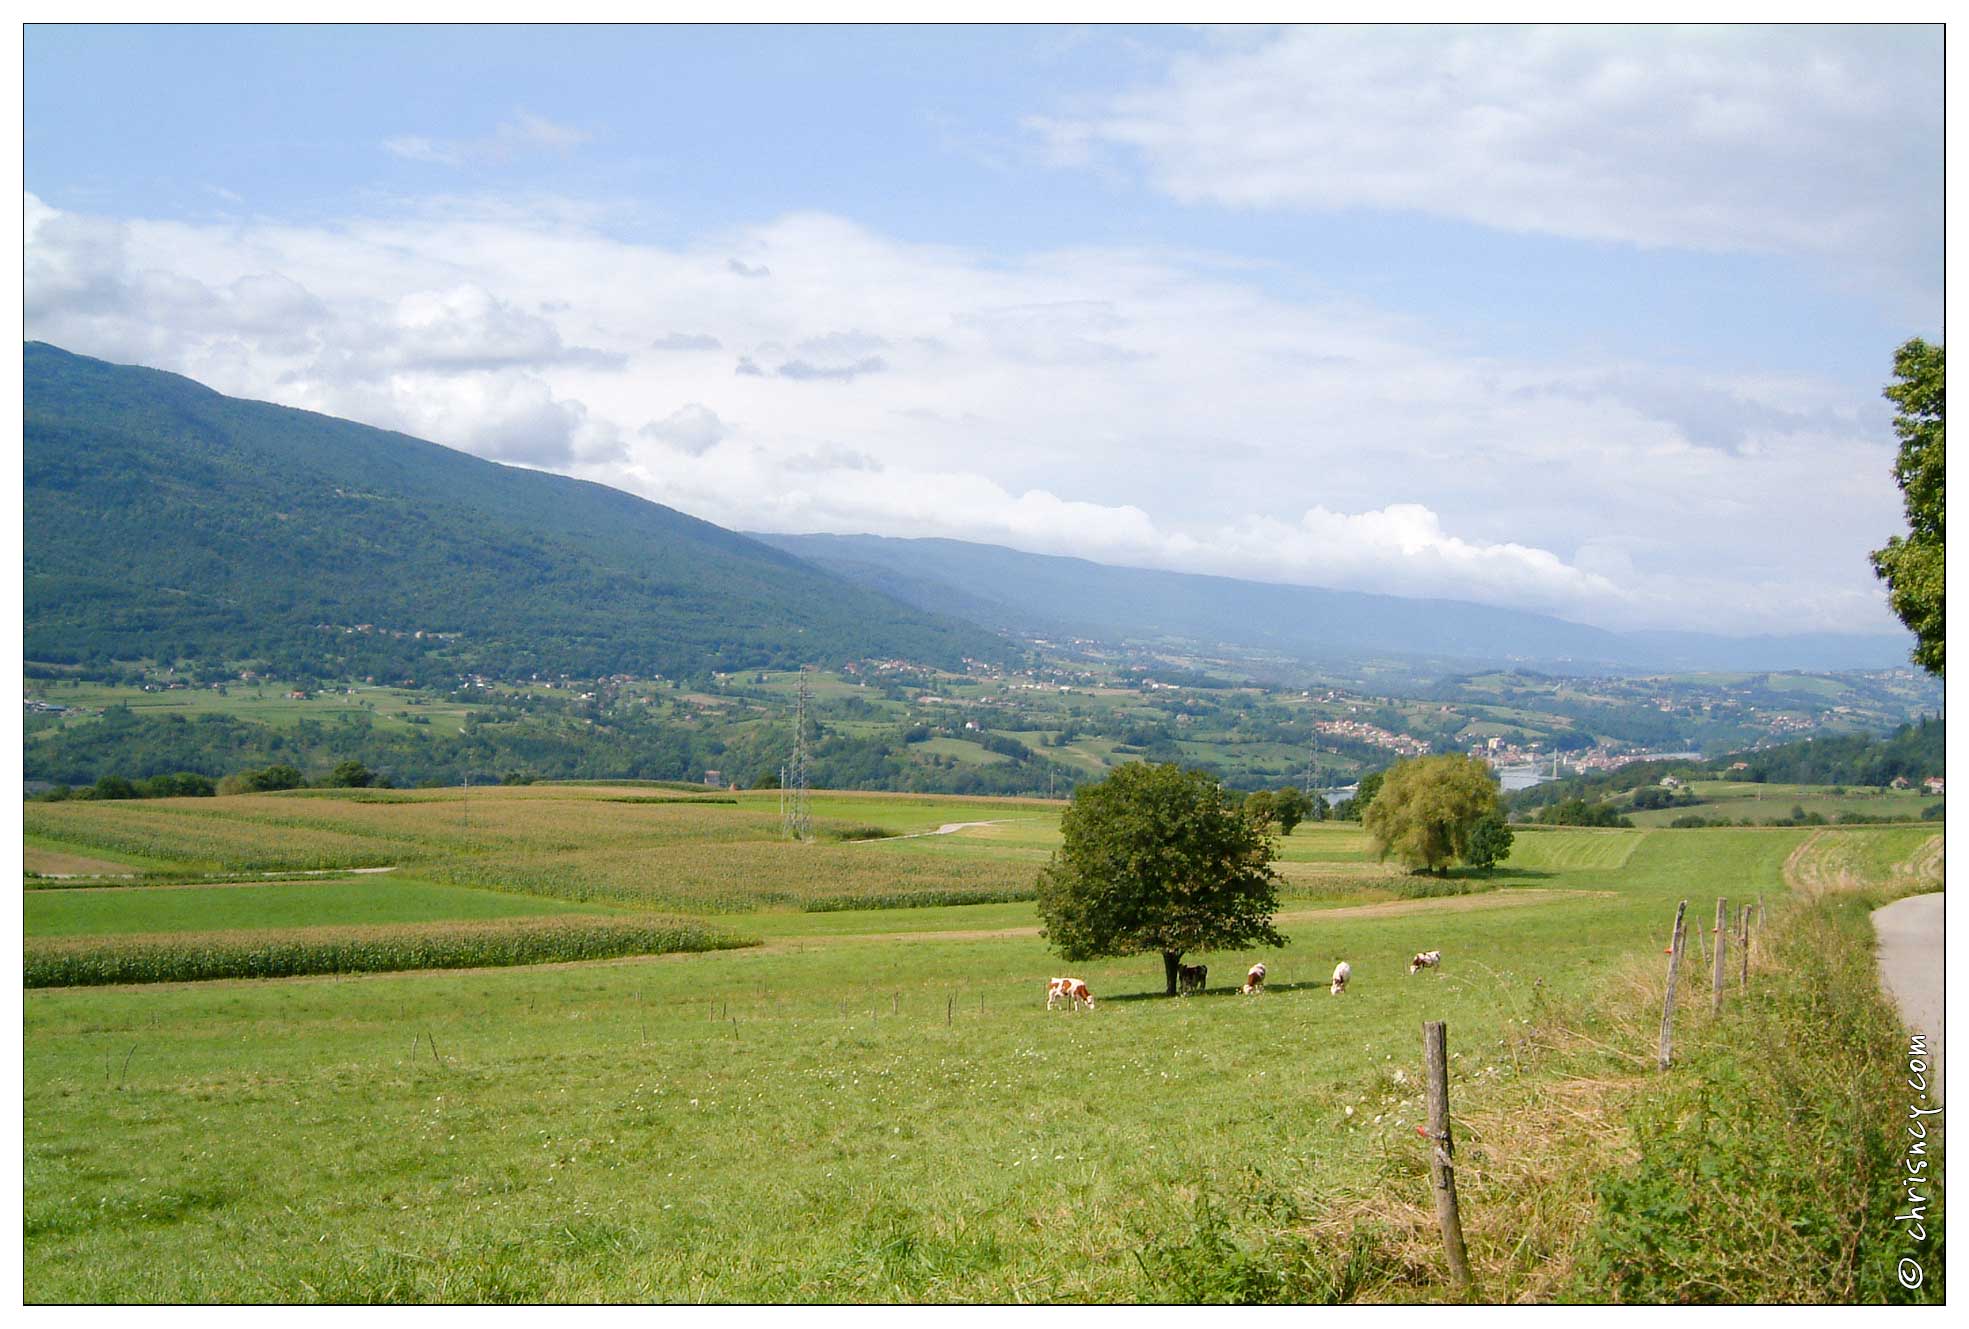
1818 142
1121 405
523 135
693 428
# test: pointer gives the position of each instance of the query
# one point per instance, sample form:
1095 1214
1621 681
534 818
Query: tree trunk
1171 959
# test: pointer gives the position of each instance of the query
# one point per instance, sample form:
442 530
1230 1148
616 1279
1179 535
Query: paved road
1910 933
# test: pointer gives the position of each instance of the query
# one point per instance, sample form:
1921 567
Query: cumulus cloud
734 266
1127 406
693 428
1824 143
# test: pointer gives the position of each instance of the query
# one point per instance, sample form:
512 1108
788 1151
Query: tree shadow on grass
1214 993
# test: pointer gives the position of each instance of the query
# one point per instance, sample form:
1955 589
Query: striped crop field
1572 848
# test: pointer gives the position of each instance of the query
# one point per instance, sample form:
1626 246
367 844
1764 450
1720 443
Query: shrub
350 774
265 780
114 786
854 833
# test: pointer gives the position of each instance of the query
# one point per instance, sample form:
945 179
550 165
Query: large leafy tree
1489 843
1912 567
1429 809
1158 859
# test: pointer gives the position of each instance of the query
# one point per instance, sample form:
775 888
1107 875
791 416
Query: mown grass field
324 901
872 1105
1735 800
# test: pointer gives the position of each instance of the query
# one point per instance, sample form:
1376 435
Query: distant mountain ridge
1051 596
164 520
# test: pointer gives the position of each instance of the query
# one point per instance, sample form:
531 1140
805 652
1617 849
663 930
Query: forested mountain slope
168 522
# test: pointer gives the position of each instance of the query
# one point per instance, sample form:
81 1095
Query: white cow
1425 960
1070 990
1341 973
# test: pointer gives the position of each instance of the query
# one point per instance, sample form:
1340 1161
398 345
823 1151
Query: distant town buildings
1360 731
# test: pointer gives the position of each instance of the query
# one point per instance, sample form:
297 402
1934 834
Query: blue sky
1585 320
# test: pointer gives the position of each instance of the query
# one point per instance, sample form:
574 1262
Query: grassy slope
887 1080
918 1156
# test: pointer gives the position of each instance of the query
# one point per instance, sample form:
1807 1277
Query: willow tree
1158 859
1429 808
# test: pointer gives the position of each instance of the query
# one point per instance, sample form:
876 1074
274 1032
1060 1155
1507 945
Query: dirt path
1452 904
948 828
56 863
1910 957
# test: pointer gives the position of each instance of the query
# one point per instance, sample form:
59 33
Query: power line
796 821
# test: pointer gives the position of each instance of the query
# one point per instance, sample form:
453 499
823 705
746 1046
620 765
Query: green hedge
76 962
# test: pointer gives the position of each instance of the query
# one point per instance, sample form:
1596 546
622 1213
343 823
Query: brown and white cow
1070 990
1254 982
1425 960
1341 973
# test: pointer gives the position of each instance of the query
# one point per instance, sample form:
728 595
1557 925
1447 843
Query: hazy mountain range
1035 594
166 521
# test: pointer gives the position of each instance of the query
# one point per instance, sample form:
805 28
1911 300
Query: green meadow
1735 800
868 1104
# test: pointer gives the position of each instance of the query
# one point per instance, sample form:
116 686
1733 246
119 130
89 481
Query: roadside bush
1772 1157
192 957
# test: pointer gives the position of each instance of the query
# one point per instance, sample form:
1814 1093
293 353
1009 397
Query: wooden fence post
1442 1172
1668 1006
1722 944
1743 949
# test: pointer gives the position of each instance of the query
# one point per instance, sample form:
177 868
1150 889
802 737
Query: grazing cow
1071 990
1254 982
1191 977
1425 960
1341 973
